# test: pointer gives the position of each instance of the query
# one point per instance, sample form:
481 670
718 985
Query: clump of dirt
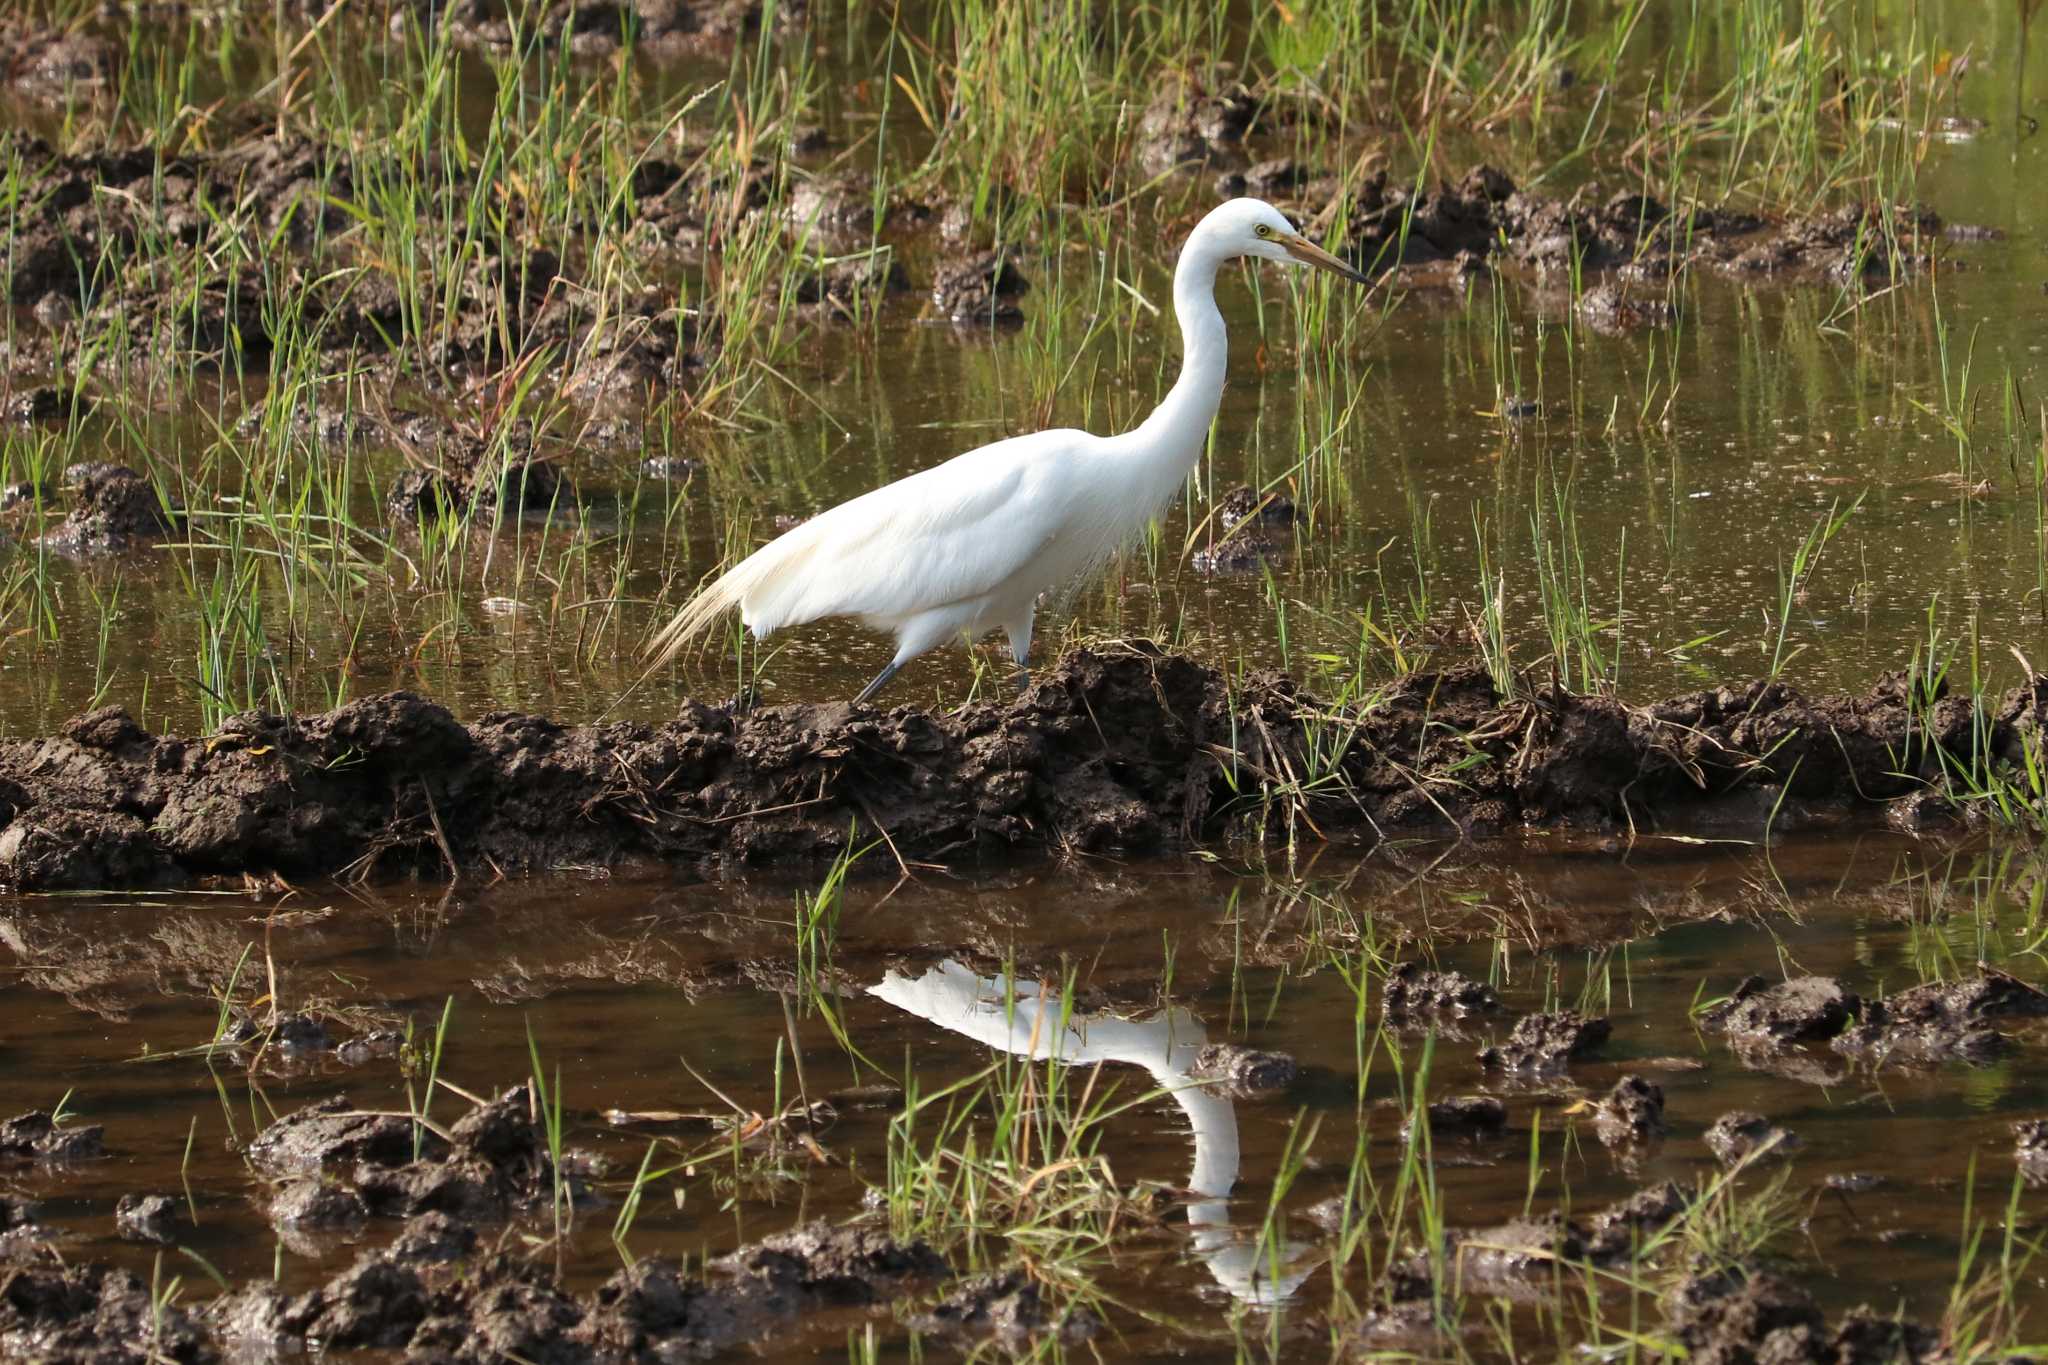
494 1162
1618 1231
980 287
596 29
1185 127
147 1218
37 1136
307 1205
1639 238
1248 519
53 1311
1748 1316
1615 307
1119 747
1009 1307
1245 1072
1468 1116
1742 1135
1419 997
1632 1112
1801 1009
1744 1318
1541 1044
1279 178
434 1293
55 62
332 1136
1942 1021
2030 1149
1519 1258
114 509
528 484
850 285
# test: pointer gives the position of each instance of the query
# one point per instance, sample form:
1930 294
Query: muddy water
619 983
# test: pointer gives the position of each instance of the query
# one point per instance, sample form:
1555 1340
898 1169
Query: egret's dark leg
880 679
1020 650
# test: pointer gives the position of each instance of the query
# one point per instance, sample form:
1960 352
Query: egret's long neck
1170 441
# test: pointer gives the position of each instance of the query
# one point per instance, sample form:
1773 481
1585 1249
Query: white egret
967 546
1028 1021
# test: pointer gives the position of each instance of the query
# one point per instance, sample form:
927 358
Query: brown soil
1641 240
1542 1044
1121 747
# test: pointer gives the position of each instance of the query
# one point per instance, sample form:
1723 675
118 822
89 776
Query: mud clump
433 1293
1741 1318
1541 1044
1942 1021
331 1136
1120 747
305 1204
1632 1112
1185 128
659 27
1799 1010
37 1136
1748 1316
2030 1149
1008 1307
114 509
1468 1116
57 1312
1520 1258
146 1218
1418 997
341 1166
982 287
1248 519
1615 308
1637 238
1245 1072
1741 1135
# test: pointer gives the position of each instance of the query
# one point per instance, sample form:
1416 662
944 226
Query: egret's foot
1023 681
743 701
881 679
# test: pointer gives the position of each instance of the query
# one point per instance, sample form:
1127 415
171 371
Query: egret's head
1253 227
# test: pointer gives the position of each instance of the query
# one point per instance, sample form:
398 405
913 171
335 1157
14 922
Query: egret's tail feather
743 586
698 615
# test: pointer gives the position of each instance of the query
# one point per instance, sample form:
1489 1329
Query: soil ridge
1116 747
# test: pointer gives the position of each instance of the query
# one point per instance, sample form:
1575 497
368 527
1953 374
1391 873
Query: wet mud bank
1121 747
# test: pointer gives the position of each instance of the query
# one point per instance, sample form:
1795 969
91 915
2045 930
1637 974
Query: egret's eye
1263 230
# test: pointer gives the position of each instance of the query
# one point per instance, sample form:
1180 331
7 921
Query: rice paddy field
1536 852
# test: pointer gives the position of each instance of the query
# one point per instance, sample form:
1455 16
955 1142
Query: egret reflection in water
993 1011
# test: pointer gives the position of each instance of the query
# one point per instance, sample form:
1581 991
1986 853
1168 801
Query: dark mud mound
1417 997
38 1136
1121 747
114 509
431 1295
1542 1044
1632 1112
493 1163
1943 1021
1640 239
50 1311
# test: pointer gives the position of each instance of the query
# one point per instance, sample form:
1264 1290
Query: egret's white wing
953 533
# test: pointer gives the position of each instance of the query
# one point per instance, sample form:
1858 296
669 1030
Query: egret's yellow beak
1308 253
